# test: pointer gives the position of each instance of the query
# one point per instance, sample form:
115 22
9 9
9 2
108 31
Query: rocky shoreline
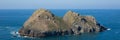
43 23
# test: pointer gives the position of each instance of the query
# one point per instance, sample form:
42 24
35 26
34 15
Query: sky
60 4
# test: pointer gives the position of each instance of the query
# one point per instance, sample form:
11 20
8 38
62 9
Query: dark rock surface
43 23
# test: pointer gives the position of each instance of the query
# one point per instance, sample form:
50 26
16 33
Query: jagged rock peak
42 11
39 14
70 16
71 13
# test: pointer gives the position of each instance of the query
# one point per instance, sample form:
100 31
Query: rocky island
43 23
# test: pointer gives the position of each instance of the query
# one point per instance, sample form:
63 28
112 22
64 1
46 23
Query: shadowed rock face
43 23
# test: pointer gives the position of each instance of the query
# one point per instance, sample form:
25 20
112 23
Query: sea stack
43 23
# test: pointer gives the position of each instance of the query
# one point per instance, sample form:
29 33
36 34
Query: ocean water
11 20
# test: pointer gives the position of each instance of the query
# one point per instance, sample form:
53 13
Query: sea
11 20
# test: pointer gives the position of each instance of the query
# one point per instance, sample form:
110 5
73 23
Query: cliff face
81 24
44 23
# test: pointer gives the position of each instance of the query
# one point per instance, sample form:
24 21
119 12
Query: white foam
14 33
108 29
25 36
17 33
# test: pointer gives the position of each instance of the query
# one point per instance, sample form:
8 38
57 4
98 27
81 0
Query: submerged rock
43 23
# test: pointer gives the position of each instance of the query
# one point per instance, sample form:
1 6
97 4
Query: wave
13 31
14 34
108 29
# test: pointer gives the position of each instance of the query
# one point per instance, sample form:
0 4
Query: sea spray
14 34
108 29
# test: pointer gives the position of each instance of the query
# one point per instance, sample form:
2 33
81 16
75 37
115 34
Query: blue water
11 21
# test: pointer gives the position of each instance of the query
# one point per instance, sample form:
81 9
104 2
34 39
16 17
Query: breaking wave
14 34
108 29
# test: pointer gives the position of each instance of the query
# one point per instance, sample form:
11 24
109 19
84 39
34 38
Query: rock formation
43 23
